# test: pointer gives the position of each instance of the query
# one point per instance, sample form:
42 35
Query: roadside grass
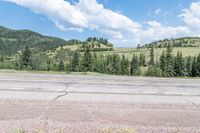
52 72
143 72
29 71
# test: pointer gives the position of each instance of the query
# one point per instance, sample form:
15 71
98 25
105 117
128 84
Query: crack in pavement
190 102
66 91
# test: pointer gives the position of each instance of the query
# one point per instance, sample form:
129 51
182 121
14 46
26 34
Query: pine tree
152 62
163 63
194 67
198 65
124 66
75 63
134 65
102 67
142 59
109 63
169 61
95 63
179 65
87 60
116 69
48 64
26 58
189 65
1 58
61 66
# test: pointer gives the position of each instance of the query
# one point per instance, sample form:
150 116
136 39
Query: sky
126 23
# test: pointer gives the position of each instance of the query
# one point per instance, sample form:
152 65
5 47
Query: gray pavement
90 103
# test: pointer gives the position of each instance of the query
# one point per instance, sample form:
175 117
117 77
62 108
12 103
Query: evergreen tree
152 62
102 67
163 63
1 58
194 67
95 63
198 65
169 61
26 58
75 63
87 60
189 65
101 64
61 66
134 65
142 59
48 64
124 66
109 63
116 69
179 65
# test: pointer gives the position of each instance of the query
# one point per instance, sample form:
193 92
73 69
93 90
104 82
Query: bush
7 65
154 72
102 49
98 49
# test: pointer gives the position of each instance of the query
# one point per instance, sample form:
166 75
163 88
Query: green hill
95 44
178 42
12 41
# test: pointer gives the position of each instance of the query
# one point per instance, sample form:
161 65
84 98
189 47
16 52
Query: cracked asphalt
84 104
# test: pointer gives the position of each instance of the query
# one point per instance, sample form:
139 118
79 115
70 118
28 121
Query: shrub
154 72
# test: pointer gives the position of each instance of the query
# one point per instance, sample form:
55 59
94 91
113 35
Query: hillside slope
12 41
178 42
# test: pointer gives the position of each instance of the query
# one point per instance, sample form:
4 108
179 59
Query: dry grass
128 52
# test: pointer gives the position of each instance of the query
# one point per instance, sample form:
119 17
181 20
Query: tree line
174 66
168 65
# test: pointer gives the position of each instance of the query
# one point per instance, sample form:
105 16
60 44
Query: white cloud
63 28
157 31
191 16
56 10
89 14
85 14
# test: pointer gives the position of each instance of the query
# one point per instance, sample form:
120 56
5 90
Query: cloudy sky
124 22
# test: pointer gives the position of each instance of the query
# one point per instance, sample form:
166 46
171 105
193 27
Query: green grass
29 71
51 72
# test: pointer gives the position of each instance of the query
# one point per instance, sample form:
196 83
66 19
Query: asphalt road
74 103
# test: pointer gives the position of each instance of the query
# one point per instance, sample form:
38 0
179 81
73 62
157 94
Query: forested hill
178 42
12 41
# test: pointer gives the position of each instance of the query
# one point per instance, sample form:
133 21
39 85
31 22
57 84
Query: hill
95 44
178 42
12 41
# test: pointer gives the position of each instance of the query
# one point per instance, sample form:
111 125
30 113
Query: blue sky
123 22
